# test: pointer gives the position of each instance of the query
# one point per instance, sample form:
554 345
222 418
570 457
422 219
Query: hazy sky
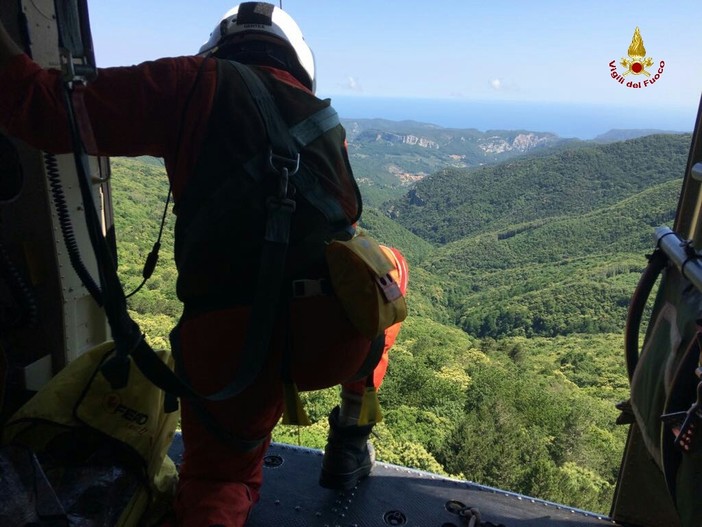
539 50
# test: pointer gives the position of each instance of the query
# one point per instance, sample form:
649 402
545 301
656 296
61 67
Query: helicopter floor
392 495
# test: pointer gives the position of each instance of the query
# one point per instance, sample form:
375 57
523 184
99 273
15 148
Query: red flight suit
162 109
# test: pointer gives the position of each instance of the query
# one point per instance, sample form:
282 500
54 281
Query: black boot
348 456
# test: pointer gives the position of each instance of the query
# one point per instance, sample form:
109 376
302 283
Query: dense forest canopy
508 367
454 203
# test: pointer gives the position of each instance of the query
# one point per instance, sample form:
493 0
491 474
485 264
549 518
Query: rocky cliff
521 143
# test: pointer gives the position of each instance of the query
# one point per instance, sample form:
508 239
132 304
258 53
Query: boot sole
335 481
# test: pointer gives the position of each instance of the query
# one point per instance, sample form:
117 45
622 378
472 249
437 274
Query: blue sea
565 120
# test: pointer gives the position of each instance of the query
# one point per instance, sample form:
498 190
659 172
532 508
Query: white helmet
260 18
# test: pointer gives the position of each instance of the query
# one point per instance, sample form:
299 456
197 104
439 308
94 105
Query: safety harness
282 164
281 161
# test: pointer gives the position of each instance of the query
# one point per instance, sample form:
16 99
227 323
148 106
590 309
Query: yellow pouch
80 401
364 279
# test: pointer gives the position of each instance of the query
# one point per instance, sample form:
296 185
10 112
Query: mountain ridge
390 156
455 203
623 134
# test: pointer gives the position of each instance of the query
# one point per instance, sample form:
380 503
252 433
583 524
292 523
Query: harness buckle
278 163
284 167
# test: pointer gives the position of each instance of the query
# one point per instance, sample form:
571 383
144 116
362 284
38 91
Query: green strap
223 434
314 126
276 128
302 133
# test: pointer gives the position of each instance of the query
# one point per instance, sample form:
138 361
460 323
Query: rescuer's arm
135 110
8 47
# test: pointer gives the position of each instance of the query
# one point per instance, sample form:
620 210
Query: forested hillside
508 367
388 157
554 277
456 203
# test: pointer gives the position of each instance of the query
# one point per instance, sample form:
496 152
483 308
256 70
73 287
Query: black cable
69 238
657 262
152 258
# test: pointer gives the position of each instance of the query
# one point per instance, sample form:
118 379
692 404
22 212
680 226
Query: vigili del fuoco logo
637 65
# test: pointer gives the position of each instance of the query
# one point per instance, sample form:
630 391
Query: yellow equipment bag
103 451
365 279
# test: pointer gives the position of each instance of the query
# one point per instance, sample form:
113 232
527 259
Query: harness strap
314 126
264 309
276 128
265 306
207 419
372 359
303 133
269 290
300 135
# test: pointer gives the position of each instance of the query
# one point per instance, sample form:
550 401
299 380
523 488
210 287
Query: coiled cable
66 226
